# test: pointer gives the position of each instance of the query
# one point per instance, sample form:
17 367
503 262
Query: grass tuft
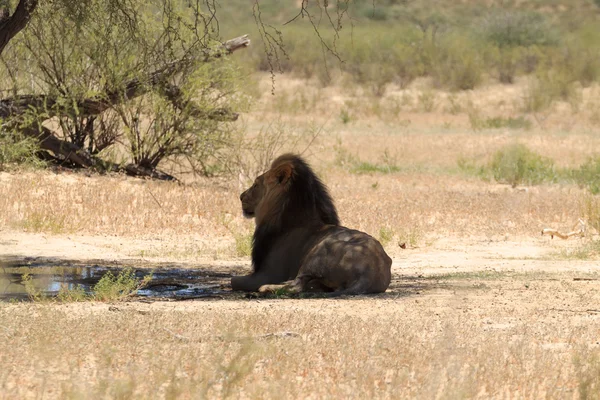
112 287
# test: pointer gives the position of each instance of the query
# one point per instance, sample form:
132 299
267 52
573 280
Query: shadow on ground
169 281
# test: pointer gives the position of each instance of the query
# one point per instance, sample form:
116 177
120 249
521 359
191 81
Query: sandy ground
463 318
443 256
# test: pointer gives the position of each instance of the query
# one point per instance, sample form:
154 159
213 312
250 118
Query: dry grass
205 220
524 336
479 334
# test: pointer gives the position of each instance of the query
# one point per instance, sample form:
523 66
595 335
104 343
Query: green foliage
365 167
42 222
588 175
376 58
515 164
386 235
513 28
111 287
506 61
549 86
96 50
345 116
69 295
469 167
456 63
17 149
521 122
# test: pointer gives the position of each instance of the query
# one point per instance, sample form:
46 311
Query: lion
298 243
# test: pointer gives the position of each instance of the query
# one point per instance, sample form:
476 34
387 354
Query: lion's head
288 192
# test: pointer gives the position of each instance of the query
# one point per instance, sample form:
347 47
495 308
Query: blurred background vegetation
78 52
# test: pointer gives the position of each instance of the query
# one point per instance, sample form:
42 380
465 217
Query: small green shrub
548 86
111 287
504 122
386 235
512 28
457 63
17 149
516 164
345 116
70 295
588 175
469 166
365 167
506 62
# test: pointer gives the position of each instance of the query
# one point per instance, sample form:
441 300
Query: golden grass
451 336
533 336
408 204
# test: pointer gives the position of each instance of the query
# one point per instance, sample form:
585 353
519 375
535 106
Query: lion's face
252 196
268 187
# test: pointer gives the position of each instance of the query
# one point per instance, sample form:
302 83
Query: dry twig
578 230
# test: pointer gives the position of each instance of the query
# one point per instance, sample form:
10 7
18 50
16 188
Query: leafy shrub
500 122
376 59
386 235
74 294
17 149
516 164
588 175
111 287
512 28
505 60
548 86
457 63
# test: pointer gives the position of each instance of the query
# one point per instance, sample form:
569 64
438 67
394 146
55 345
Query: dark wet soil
50 276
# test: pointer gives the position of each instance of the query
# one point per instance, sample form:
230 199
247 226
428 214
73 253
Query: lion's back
343 256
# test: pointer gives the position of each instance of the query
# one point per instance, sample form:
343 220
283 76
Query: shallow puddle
166 282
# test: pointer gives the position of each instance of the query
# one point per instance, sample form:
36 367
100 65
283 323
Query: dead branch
578 230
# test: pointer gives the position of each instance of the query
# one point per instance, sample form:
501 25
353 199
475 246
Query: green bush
588 175
457 63
516 164
377 57
17 149
501 122
505 60
512 28
111 287
548 86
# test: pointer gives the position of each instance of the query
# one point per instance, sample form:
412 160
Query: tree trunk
10 25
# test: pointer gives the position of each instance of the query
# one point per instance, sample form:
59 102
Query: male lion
298 235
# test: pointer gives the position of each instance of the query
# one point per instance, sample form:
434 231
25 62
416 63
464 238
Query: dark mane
305 204
307 194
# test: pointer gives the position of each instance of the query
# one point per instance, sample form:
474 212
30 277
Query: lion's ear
283 173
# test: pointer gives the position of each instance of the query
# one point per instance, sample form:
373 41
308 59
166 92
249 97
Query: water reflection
166 282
